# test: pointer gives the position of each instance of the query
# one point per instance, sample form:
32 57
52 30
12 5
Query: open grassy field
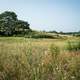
39 59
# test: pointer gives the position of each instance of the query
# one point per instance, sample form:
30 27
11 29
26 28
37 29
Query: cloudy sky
59 15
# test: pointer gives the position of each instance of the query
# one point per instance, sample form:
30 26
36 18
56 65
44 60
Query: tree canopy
10 25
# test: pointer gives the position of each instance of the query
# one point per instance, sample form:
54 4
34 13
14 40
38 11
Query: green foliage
8 14
73 45
42 36
7 26
10 25
38 35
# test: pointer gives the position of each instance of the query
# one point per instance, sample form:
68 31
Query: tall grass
25 61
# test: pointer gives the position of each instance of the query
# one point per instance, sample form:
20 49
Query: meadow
39 59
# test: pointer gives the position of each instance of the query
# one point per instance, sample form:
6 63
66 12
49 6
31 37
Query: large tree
9 23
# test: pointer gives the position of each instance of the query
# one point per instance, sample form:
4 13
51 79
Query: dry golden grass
37 59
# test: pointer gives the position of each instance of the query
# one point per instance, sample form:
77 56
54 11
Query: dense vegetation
10 25
66 33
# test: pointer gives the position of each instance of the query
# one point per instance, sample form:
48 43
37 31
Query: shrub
73 45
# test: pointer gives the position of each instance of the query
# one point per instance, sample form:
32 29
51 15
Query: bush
73 46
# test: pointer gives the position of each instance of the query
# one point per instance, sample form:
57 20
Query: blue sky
59 15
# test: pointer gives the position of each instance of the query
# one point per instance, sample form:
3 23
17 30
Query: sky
46 15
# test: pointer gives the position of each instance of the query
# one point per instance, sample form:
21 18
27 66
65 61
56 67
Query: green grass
38 59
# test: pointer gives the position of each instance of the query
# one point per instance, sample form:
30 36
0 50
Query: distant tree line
10 25
66 33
